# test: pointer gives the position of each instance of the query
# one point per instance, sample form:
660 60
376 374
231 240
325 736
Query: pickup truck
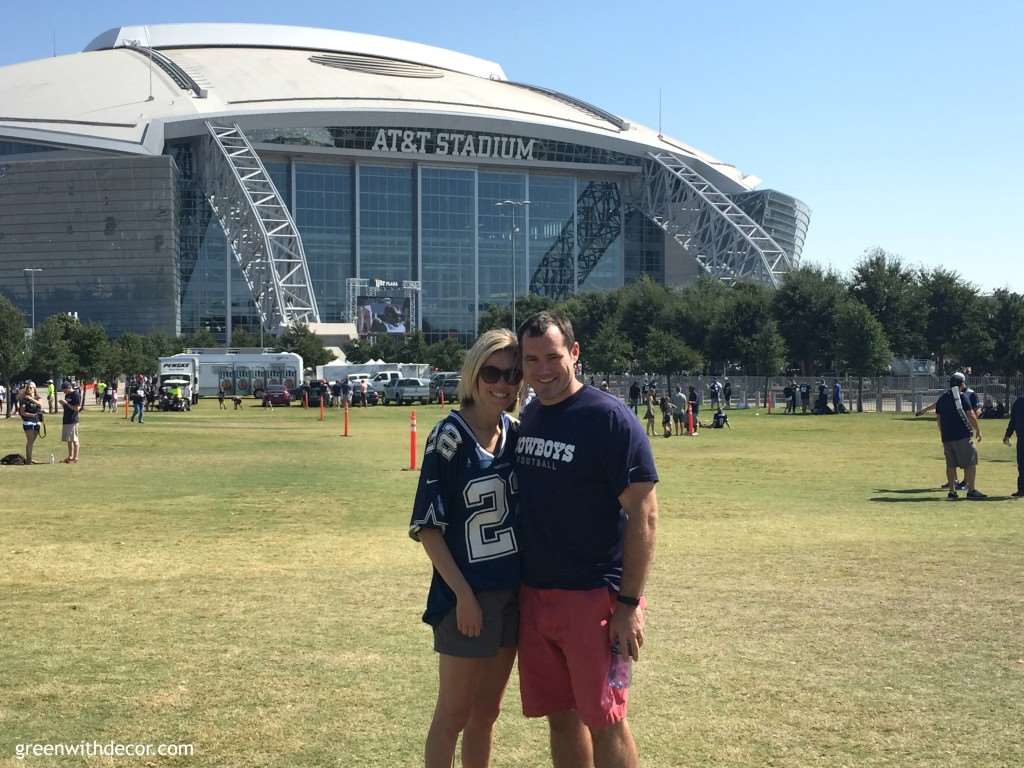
447 384
407 391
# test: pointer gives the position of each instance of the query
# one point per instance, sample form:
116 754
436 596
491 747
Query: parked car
315 391
406 391
372 396
276 394
448 384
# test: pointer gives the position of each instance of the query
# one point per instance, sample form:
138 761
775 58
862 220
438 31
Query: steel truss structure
259 228
724 240
597 224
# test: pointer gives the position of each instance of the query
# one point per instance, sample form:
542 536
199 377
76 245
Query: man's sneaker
976 494
1017 495
952 496
962 485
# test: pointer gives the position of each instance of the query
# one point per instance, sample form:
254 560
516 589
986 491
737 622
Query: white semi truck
238 373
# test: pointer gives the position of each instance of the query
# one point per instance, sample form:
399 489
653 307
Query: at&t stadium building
178 177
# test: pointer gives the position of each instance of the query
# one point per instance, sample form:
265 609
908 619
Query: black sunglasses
491 374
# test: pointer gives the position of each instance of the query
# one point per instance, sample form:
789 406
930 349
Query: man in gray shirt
679 414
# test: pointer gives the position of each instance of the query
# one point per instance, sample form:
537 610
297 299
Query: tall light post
32 277
513 204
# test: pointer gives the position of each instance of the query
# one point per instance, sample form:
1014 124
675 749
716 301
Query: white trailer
241 373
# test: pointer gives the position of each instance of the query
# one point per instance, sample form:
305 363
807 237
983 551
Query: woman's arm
467 610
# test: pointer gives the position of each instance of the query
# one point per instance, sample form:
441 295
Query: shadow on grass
897 500
907 490
904 500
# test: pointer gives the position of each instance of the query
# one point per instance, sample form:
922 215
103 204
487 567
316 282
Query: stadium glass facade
433 223
121 207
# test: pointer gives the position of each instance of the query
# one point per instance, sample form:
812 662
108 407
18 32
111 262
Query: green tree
607 350
664 354
243 337
357 351
414 348
589 312
385 347
50 351
131 355
13 345
892 293
92 349
744 317
953 313
643 306
861 345
303 342
1006 329
198 339
805 309
500 315
161 345
765 352
446 355
695 310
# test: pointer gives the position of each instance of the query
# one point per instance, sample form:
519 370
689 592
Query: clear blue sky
900 123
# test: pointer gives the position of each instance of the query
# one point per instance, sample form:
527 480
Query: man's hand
468 614
1006 441
626 630
977 437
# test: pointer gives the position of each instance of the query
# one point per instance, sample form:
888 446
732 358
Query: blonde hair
489 342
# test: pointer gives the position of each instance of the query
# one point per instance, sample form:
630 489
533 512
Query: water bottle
620 671
52 458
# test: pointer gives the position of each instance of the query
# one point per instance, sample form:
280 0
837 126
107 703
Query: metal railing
880 394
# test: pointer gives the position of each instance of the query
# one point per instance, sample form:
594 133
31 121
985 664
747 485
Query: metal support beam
259 228
706 223
596 225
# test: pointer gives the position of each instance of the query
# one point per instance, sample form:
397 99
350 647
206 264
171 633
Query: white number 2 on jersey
487 534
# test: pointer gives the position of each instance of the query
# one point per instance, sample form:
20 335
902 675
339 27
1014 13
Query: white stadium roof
300 38
277 76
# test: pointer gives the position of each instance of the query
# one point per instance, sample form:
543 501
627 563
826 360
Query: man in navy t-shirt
588 510
957 421
1016 424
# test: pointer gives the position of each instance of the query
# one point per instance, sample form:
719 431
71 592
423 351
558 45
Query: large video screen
383 314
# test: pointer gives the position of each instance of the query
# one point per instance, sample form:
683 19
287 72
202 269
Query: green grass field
243 582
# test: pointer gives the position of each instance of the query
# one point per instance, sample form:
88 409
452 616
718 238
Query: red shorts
565 654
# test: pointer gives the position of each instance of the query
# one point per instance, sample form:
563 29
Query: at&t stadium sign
453 144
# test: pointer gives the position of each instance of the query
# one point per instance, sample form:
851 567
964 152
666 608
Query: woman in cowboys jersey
464 516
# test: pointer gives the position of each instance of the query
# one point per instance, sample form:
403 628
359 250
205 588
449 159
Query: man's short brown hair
538 323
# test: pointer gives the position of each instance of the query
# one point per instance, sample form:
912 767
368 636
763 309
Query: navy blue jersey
471 497
953 423
573 460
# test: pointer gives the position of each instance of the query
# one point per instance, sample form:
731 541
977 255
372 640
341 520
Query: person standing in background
72 404
1016 425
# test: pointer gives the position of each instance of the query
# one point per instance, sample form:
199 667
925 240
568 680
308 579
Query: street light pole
513 204
32 277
